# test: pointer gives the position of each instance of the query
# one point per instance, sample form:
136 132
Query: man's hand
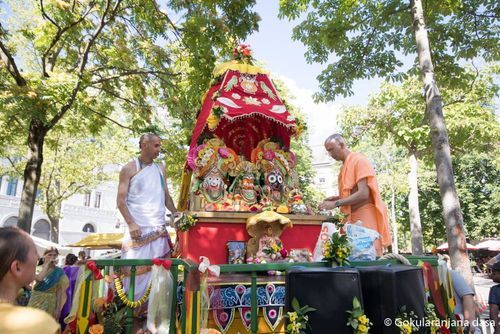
326 205
134 230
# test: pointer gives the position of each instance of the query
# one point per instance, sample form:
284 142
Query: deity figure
212 162
245 188
265 245
270 246
276 165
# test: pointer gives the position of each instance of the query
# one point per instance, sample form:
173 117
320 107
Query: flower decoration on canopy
243 53
357 318
298 320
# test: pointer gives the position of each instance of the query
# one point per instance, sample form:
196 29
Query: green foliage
365 39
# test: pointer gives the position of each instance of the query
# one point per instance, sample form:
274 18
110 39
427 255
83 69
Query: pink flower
283 252
269 155
246 52
223 152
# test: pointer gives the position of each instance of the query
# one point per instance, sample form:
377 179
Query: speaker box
329 290
386 289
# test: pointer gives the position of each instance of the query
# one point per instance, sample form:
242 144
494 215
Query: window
86 200
89 228
97 200
322 180
41 229
12 187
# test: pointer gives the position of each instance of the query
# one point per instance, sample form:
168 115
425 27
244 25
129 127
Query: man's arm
356 199
469 311
121 200
494 318
169 203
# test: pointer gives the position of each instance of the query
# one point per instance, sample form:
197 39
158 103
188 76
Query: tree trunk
54 228
417 244
441 148
32 173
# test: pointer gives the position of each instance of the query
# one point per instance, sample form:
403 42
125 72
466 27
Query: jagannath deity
276 164
212 162
245 187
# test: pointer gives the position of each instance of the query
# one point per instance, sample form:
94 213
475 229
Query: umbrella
445 246
491 245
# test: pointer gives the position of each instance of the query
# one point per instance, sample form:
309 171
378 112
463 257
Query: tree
88 58
367 37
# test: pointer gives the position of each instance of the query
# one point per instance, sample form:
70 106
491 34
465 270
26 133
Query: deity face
213 186
275 180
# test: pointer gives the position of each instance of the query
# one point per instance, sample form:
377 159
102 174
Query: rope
392 256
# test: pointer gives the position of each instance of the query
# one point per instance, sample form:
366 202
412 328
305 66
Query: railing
252 269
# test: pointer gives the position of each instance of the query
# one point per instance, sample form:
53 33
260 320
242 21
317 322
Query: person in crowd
71 270
359 197
494 297
49 291
17 270
142 199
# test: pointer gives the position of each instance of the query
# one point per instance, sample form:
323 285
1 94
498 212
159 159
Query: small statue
270 247
265 244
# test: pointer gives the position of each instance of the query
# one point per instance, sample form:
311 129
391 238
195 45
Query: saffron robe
372 215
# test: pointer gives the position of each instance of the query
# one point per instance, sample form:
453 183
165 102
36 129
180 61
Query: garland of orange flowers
123 297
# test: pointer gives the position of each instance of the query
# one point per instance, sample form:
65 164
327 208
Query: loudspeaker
386 289
329 290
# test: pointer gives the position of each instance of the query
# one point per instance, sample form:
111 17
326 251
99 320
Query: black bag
386 289
329 290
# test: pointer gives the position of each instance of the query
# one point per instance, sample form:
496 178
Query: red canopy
250 110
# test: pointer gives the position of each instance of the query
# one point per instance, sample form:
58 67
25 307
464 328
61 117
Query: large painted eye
271 178
210 179
280 179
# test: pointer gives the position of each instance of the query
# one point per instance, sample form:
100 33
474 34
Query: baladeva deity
213 162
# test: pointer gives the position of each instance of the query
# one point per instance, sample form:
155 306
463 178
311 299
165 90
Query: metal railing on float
180 269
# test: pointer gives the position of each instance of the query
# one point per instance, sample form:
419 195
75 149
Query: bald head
336 147
146 138
337 138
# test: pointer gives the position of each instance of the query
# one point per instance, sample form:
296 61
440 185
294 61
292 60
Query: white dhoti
146 204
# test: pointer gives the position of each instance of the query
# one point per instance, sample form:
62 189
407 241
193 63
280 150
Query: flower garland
357 318
298 319
337 249
121 293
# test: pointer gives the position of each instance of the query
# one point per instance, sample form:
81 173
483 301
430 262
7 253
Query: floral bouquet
298 319
243 53
185 222
357 318
337 249
334 216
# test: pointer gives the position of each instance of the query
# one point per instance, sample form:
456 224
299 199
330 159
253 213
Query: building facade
82 214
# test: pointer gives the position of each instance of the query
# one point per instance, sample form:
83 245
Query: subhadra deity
244 188
212 162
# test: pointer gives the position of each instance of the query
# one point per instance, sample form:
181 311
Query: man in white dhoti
142 198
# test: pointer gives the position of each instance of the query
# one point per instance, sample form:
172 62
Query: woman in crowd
49 291
71 270
17 269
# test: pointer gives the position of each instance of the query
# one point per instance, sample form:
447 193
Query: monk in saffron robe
359 196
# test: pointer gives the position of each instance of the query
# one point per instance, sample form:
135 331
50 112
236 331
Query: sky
273 46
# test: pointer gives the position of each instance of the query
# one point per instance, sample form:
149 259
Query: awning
491 245
100 241
42 245
445 246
